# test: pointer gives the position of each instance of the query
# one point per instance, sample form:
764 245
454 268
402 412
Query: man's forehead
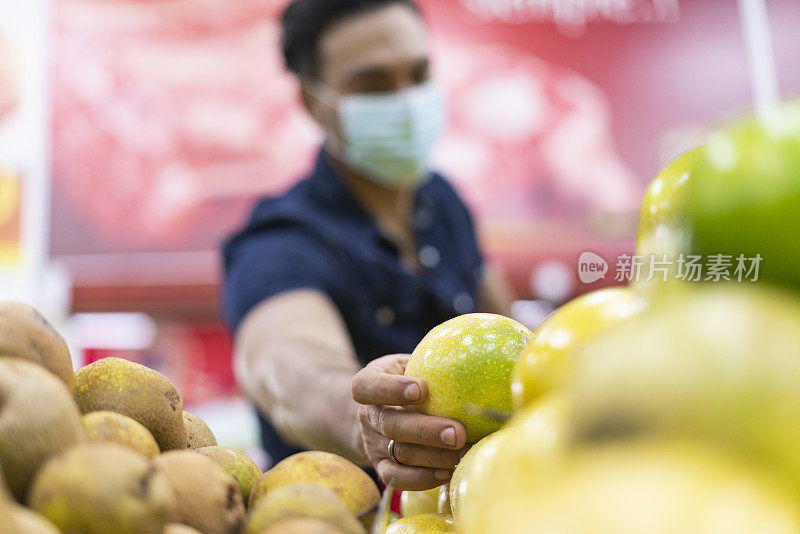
379 39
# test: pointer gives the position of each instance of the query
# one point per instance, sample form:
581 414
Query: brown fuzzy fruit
197 432
102 489
38 419
237 464
25 334
120 429
206 497
134 390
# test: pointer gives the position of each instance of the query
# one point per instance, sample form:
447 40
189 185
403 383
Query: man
362 258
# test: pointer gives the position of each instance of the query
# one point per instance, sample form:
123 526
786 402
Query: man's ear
316 108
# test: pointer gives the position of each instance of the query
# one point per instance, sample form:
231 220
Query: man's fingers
412 478
373 386
422 456
405 426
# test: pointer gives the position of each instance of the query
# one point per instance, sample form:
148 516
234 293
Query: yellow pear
27 335
466 364
131 389
353 486
422 524
38 419
117 428
546 363
531 443
306 500
237 464
177 528
631 487
419 502
302 525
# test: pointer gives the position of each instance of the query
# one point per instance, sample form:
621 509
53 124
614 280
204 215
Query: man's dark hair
304 21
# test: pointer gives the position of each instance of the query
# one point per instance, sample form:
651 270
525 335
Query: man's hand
427 447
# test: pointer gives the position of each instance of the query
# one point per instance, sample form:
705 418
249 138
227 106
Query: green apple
650 487
422 524
719 363
545 364
744 195
467 363
419 502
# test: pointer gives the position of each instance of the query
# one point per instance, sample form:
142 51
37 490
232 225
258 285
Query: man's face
381 51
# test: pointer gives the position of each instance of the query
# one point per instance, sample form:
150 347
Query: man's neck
390 207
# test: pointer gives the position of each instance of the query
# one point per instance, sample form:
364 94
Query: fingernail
448 436
412 392
442 474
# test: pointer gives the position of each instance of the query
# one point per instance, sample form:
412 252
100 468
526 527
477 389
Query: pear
38 419
177 528
419 502
422 524
466 364
29 522
117 428
102 488
27 335
718 363
206 497
302 500
637 487
353 486
237 464
533 442
302 525
197 432
443 505
136 391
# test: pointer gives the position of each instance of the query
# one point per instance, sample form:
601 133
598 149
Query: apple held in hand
467 363
546 363
744 195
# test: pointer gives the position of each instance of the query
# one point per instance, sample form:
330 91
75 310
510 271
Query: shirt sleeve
264 264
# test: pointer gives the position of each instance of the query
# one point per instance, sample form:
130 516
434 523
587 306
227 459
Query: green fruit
116 428
419 502
662 219
302 525
660 487
352 485
303 500
144 395
719 363
744 195
422 524
466 364
237 464
38 419
546 363
197 432
206 496
25 334
101 489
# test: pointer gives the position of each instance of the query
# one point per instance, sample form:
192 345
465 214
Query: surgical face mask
390 136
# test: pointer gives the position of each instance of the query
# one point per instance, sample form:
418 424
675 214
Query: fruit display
467 363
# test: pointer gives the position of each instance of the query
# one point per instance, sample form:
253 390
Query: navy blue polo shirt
317 236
